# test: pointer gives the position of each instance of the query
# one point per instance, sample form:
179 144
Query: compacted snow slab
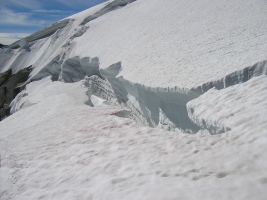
56 147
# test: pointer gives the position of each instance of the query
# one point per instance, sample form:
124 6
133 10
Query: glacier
190 73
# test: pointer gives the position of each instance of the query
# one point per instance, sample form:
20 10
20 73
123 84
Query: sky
19 18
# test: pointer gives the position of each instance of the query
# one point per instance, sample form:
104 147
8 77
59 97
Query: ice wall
236 77
69 70
167 108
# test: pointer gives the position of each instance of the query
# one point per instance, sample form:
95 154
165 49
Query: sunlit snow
139 100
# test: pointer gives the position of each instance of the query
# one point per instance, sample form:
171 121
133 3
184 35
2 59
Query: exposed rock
10 86
2 45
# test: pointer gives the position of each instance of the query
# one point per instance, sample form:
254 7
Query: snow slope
206 39
57 147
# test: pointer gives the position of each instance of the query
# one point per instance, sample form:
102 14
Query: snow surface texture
108 8
57 147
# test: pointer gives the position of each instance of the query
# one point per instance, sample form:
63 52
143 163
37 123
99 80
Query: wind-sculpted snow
45 32
70 70
39 53
108 8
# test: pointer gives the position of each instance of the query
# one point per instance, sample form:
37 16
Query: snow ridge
108 8
45 32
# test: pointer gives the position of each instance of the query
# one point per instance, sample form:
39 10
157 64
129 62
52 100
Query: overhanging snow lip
236 77
108 8
171 99
43 33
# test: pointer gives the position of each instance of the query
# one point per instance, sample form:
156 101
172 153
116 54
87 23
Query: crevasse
164 108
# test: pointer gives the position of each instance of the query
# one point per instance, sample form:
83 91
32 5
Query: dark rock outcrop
2 45
10 86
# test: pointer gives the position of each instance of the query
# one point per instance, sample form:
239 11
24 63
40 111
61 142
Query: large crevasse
165 108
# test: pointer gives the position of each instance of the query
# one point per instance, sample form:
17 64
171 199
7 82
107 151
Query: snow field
60 148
